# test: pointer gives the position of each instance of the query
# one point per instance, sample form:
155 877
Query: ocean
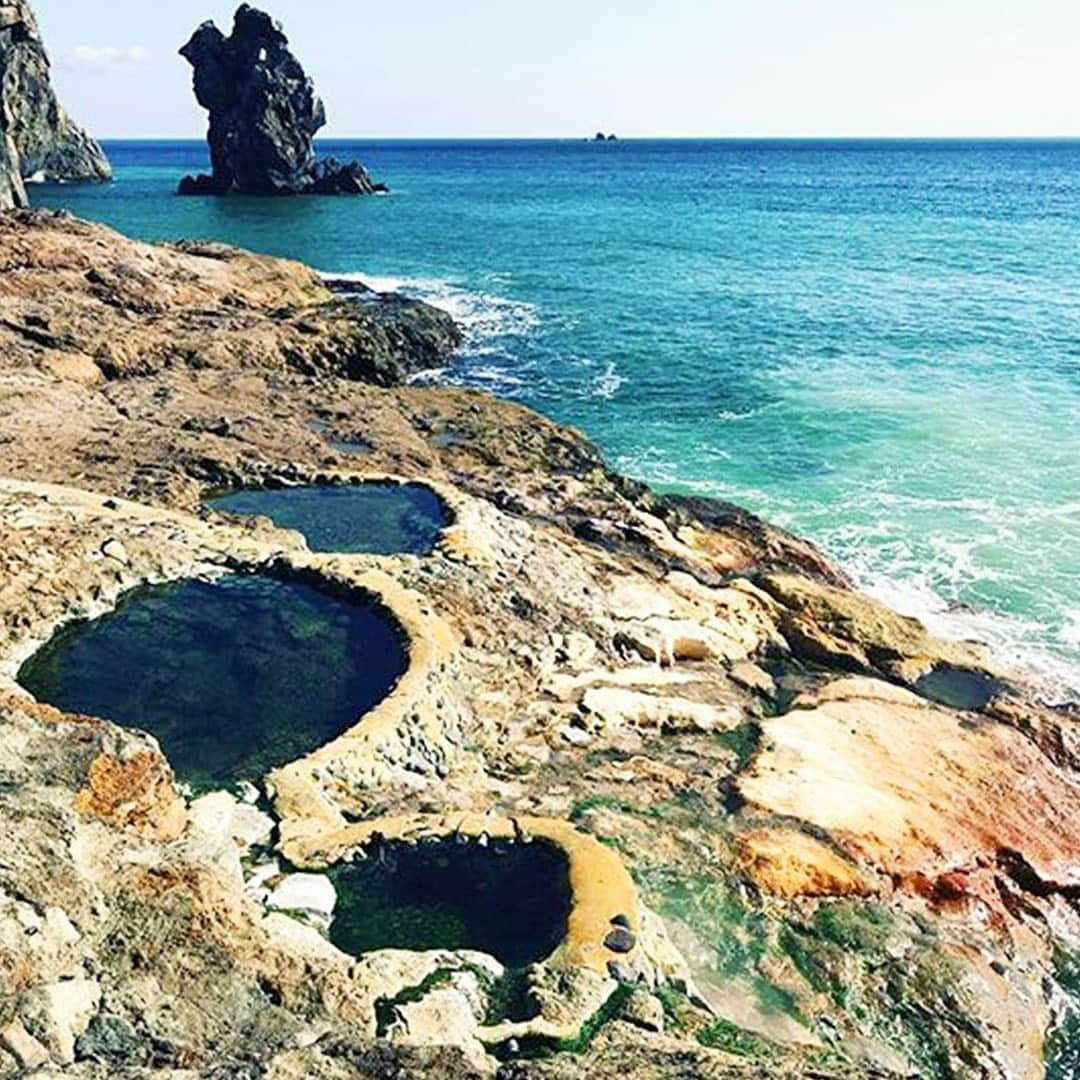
873 343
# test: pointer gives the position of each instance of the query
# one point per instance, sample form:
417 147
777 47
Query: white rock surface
223 828
59 1013
312 894
29 1053
614 707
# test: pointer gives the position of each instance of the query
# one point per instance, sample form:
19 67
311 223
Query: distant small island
601 137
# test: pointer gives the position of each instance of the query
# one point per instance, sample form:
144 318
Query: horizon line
637 138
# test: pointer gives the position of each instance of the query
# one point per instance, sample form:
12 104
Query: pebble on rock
620 940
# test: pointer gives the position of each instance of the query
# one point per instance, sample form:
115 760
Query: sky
505 68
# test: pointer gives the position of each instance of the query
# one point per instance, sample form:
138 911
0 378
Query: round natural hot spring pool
510 900
234 677
371 518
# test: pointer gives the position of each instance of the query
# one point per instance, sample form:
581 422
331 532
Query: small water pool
372 518
510 900
959 689
234 678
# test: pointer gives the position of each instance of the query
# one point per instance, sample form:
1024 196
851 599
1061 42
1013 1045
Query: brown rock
136 793
789 863
911 788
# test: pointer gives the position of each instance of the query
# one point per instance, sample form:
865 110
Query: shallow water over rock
373 518
234 677
510 900
958 689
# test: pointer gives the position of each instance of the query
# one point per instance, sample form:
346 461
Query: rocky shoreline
787 856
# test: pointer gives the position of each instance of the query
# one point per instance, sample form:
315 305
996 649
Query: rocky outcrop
789 856
264 113
37 137
116 308
12 190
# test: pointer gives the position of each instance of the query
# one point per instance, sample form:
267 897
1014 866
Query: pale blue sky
638 67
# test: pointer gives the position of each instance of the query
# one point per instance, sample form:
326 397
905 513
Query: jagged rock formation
264 114
37 137
787 859
140 309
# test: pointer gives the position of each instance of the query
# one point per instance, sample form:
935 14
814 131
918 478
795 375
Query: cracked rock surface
786 859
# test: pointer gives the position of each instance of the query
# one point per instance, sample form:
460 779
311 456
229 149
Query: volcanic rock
264 113
37 137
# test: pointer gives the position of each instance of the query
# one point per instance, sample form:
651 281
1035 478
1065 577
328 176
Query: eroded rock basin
233 677
958 689
373 518
510 900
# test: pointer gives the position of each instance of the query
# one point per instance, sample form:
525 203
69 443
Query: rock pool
374 518
958 689
233 677
510 900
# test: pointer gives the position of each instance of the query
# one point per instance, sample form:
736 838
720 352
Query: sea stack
264 113
37 137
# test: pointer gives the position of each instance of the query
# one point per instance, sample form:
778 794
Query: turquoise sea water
876 344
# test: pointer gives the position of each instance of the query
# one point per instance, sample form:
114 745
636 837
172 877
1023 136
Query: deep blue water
874 343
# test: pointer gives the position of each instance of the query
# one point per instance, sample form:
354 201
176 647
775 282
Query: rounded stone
620 940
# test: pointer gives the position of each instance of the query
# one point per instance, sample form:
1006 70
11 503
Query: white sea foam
498 352
928 588
482 315
607 385
1019 643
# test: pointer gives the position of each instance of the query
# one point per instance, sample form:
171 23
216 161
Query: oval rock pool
234 677
374 518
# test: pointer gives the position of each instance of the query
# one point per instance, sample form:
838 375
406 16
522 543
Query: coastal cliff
37 137
802 837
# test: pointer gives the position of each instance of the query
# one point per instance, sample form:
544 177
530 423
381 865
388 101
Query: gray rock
111 1040
644 1010
264 113
37 137
12 190
620 940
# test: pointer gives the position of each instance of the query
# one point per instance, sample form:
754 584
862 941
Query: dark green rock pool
374 518
510 900
234 677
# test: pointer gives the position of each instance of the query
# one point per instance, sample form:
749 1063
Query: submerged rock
264 113
37 137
